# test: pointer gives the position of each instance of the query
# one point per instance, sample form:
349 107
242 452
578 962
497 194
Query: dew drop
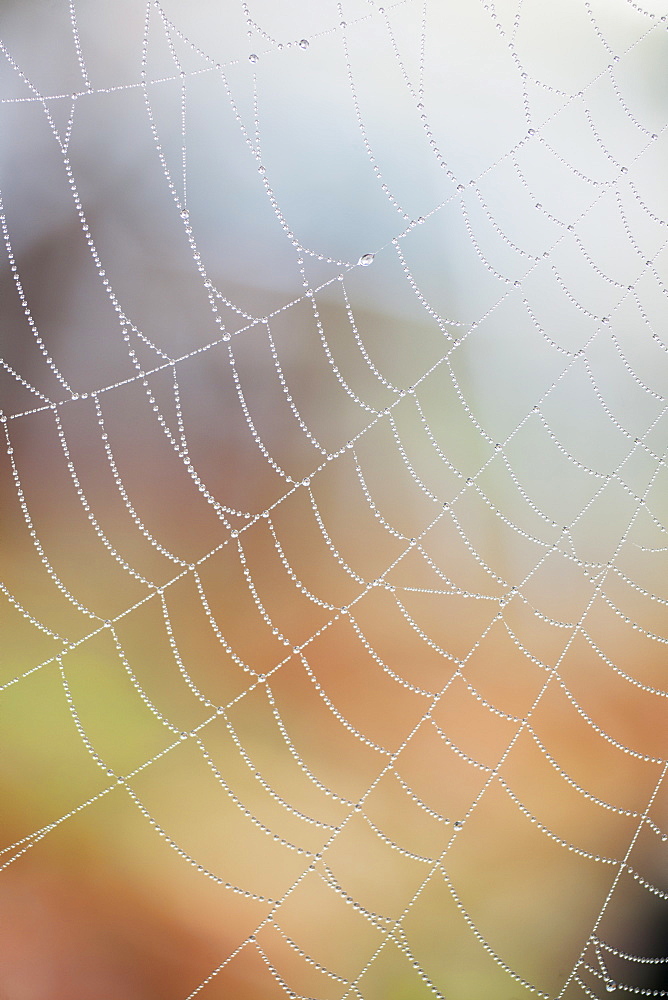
366 259
303 44
610 986
253 57
458 824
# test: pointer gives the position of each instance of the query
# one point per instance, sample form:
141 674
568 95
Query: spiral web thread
618 575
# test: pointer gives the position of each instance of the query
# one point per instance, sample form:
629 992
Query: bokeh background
334 593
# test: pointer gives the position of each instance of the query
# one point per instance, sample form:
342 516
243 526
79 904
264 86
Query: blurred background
333 604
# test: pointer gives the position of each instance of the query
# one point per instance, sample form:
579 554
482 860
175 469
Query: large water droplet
458 824
367 259
253 57
303 44
610 986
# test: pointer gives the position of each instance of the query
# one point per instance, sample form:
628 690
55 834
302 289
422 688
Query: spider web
334 491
